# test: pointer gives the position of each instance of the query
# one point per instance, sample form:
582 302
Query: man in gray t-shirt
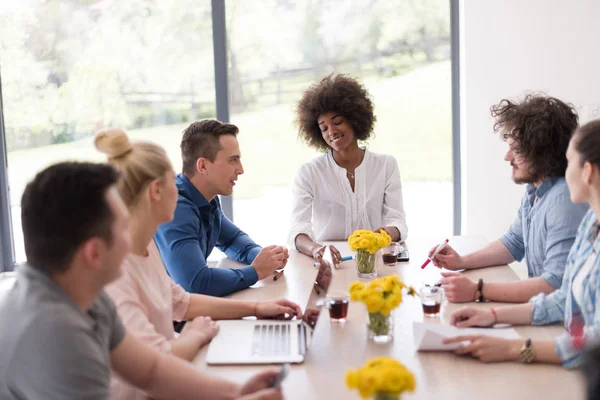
44 332
59 332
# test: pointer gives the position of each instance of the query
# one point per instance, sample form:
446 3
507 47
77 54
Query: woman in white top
348 187
576 302
147 299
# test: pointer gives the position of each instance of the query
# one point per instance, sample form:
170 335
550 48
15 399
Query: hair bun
113 142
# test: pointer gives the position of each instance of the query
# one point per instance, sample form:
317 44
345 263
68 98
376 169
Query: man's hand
469 316
259 387
458 288
279 309
270 259
488 348
204 327
447 258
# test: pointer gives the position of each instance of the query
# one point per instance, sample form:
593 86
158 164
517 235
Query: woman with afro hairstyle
348 187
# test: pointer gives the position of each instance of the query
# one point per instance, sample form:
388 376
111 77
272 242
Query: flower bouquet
365 244
383 378
381 296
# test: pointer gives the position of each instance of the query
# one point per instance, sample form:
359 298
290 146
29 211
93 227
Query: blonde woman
147 299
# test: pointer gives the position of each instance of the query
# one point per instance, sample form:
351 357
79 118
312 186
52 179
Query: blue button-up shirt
185 243
561 304
544 231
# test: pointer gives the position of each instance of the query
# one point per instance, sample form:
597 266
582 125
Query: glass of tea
338 307
431 300
390 253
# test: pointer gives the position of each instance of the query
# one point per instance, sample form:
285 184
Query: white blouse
325 208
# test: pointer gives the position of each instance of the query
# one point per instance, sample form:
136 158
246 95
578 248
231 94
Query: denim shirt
544 231
561 304
199 226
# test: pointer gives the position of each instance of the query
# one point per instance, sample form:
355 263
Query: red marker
437 250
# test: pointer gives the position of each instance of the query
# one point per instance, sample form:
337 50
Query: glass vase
386 396
366 263
380 328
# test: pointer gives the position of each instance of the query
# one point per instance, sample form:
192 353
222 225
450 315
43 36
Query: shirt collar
543 189
194 194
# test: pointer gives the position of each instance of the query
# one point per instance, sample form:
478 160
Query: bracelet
495 316
255 308
480 290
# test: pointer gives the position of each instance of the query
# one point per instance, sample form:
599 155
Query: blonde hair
139 163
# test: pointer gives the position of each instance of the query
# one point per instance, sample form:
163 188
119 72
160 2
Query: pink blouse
148 301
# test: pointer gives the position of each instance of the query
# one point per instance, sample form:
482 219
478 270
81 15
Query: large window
399 49
70 67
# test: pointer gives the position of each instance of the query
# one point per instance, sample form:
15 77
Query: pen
278 275
437 250
347 258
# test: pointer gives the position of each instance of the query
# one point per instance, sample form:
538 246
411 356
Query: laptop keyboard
272 340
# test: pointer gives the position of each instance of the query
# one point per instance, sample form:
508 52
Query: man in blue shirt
211 165
537 132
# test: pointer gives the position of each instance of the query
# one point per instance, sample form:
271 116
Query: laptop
266 341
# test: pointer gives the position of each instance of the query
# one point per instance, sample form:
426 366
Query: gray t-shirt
49 348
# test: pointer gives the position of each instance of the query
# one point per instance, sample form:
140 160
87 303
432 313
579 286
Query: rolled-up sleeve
393 203
513 238
303 197
562 222
178 242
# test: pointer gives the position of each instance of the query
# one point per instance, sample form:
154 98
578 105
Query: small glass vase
366 263
380 328
386 396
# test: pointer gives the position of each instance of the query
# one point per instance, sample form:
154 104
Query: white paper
429 337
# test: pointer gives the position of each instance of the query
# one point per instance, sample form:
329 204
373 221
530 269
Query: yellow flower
381 374
352 379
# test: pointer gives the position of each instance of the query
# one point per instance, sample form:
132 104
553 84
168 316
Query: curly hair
541 127
339 93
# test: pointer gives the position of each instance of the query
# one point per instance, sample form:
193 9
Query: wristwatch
526 354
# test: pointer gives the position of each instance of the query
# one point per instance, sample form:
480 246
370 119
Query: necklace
350 174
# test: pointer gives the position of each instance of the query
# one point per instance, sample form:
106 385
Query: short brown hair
63 207
201 139
339 93
541 127
587 142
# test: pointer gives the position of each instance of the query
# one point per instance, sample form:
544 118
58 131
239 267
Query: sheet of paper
429 337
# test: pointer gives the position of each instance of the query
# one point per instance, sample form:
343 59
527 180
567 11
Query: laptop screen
317 297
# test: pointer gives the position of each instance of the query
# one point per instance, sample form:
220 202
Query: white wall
509 47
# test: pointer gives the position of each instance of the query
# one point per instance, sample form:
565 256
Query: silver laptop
265 341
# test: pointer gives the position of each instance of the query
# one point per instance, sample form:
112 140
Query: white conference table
337 347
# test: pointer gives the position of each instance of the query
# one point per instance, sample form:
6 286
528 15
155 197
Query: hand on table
470 316
458 288
487 348
204 327
259 387
269 259
278 309
335 255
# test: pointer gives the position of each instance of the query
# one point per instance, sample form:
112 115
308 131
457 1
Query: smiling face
336 130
